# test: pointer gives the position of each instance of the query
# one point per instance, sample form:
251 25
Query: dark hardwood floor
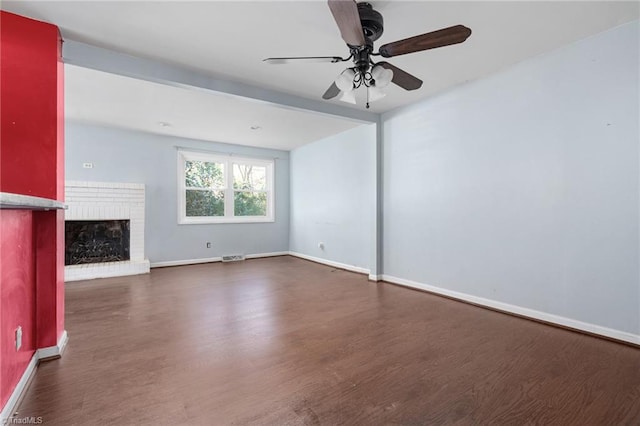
283 341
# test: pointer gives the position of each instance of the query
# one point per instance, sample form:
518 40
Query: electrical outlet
208 244
321 245
18 338
87 165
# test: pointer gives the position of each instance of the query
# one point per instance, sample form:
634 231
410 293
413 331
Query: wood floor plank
284 341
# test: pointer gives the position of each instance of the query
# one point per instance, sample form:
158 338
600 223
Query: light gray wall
524 187
128 156
332 197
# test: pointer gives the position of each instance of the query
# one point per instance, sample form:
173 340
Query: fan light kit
360 25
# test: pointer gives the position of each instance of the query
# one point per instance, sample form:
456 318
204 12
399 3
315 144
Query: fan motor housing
371 20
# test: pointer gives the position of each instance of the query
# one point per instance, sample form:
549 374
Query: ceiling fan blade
331 92
345 12
311 59
440 38
402 78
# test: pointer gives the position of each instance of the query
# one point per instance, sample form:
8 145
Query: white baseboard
212 259
373 277
54 351
40 354
518 310
272 254
185 262
338 265
14 399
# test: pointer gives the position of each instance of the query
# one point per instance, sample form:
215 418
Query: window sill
209 221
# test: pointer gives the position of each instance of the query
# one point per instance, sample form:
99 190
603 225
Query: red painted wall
17 296
31 163
29 105
49 265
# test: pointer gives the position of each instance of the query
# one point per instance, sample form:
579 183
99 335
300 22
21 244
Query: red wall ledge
31 164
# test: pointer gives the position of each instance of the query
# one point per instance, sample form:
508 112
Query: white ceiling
228 40
112 100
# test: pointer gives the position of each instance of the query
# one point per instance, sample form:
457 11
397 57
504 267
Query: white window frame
228 161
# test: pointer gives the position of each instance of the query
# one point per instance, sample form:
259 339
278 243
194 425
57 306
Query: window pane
250 203
203 174
204 203
249 177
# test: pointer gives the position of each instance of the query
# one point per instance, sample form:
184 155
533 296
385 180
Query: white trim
16 395
272 254
40 354
212 259
518 310
373 277
228 160
219 220
167 263
54 351
339 265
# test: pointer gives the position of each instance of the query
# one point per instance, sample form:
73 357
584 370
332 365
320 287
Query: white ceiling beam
101 59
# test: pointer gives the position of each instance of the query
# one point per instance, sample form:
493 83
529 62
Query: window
224 189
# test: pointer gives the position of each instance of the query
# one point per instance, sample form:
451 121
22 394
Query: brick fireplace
108 201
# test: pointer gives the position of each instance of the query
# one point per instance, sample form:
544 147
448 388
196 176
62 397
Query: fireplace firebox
96 241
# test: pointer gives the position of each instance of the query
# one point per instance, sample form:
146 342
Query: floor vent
233 258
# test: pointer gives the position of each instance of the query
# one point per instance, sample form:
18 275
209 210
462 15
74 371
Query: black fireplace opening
96 241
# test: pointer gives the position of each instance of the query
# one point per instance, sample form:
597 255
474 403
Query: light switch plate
18 338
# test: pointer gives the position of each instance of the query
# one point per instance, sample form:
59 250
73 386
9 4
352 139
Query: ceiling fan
360 25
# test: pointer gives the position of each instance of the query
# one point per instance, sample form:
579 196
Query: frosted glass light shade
375 93
345 80
349 97
381 75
